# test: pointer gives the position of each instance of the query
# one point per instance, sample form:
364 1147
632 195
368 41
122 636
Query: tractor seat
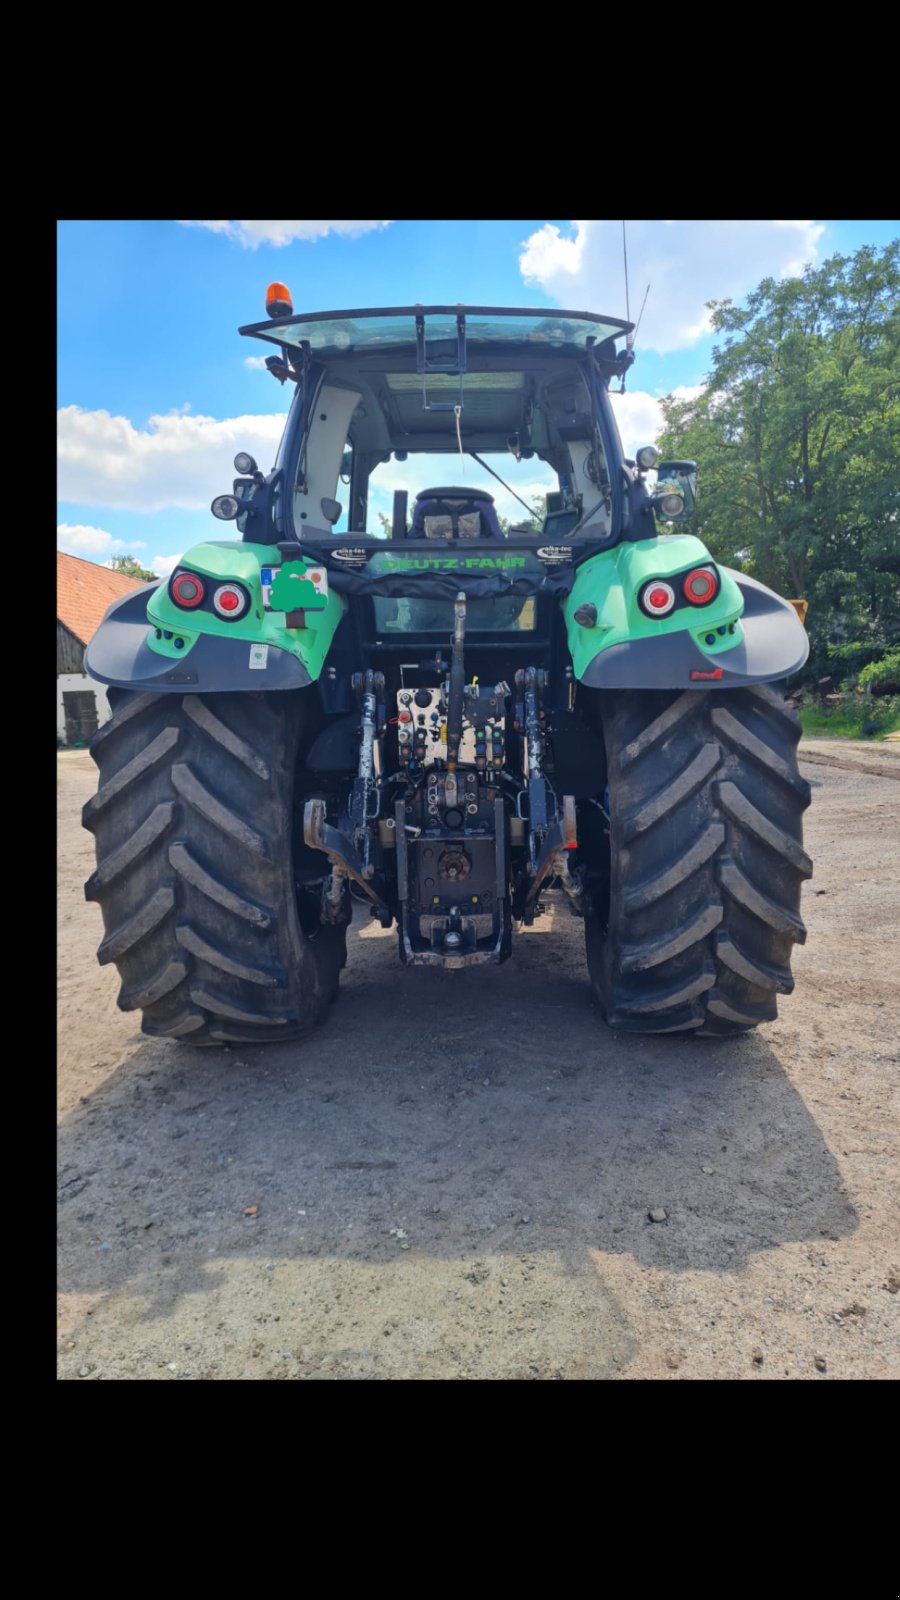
454 514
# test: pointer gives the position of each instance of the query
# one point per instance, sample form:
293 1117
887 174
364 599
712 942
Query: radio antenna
630 337
634 332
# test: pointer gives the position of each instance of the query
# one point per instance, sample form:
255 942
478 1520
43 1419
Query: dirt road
453 1178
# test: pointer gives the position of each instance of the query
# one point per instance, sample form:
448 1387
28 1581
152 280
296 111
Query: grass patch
857 717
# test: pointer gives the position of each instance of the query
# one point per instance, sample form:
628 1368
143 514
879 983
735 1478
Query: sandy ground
453 1178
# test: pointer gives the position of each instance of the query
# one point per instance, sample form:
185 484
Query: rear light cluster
695 588
229 600
657 597
701 586
187 590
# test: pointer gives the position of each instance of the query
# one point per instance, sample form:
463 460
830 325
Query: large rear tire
706 861
193 822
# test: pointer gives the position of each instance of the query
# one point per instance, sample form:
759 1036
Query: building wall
69 650
79 680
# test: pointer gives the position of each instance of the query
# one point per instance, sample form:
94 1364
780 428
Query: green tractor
444 724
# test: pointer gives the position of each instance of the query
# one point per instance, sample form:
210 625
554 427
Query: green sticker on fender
294 591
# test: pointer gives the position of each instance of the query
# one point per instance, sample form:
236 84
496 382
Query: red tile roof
83 592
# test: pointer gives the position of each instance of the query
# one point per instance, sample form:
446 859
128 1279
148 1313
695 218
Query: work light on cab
657 598
701 586
230 601
187 590
226 507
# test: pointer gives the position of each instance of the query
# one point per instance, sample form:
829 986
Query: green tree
132 568
524 524
797 436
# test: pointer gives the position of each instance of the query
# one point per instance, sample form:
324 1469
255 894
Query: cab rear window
506 613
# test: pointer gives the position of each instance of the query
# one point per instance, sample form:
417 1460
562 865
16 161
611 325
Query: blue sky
155 393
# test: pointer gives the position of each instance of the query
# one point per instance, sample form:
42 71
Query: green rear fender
226 559
746 634
147 642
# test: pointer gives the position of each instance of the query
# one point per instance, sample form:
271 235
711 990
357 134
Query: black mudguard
774 646
119 655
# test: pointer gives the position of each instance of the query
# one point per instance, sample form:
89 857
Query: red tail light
230 601
701 586
657 598
187 590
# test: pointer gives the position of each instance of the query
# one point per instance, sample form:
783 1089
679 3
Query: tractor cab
514 401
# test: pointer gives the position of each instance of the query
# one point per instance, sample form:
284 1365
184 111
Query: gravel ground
455 1177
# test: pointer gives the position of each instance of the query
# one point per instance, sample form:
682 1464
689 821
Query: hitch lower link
348 846
551 832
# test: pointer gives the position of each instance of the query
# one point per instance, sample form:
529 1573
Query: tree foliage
132 568
797 437
532 524
883 676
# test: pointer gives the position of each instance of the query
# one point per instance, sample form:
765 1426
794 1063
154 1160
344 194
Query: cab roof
401 330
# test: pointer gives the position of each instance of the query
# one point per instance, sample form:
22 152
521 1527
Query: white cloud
252 234
639 415
685 263
177 460
255 363
165 565
80 539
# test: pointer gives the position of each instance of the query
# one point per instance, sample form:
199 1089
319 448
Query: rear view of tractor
427 716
